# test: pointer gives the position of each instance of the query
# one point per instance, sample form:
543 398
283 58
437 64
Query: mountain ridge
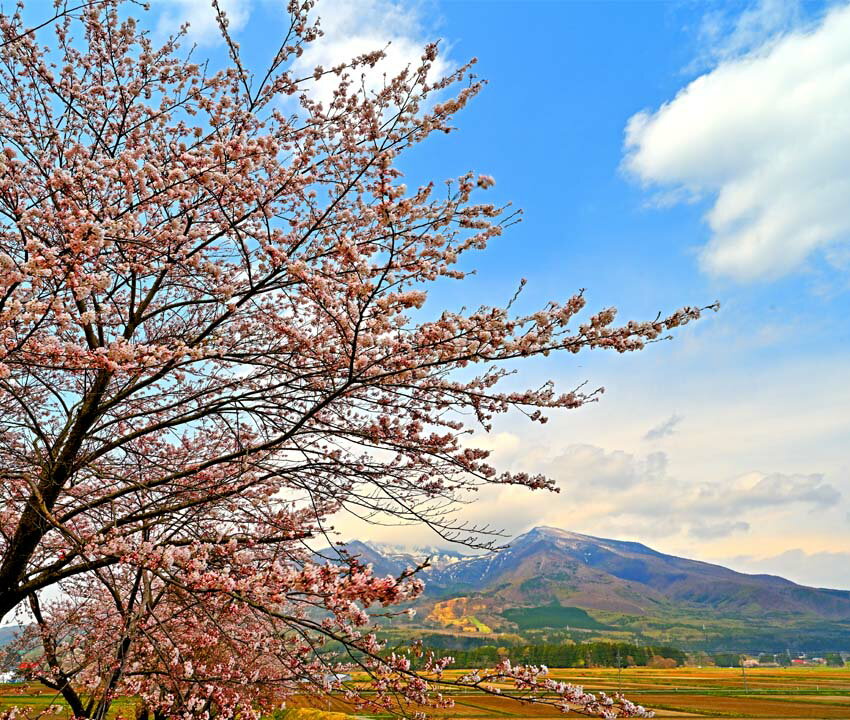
398 554
622 584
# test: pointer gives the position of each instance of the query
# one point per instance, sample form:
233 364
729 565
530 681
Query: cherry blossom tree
214 338
240 652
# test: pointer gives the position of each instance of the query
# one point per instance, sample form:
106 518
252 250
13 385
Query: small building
334 678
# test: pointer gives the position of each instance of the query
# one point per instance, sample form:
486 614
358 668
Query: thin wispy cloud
820 569
712 531
727 32
664 429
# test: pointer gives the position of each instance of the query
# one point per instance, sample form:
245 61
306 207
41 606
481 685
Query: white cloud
350 28
767 136
354 27
788 415
597 469
203 26
499 444
614 487
626 495
778 416
630 496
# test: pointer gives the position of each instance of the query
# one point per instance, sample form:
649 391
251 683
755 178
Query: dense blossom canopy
214 337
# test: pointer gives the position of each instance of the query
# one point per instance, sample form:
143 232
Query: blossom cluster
215 335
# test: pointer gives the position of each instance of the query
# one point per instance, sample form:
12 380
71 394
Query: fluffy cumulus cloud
639 496
765 135
354 27
199 14
603 470
697 497
639 493
626 495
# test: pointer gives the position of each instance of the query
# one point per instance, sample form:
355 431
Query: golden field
680 692
817 692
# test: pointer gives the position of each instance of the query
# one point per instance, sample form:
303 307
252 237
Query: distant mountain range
550 581
7 633
551 585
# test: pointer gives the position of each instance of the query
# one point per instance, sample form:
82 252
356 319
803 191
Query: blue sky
664 153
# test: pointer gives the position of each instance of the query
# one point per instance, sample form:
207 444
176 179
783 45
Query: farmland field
685 692
680 692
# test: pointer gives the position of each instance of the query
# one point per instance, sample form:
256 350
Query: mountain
8 633
547 564
551 581
388 559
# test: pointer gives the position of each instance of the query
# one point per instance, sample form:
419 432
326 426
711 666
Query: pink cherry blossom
215 335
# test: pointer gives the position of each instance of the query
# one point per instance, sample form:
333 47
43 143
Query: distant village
786 659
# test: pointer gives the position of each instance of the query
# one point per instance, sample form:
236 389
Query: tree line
592 654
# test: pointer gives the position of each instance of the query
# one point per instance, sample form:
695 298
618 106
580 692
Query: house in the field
334 678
